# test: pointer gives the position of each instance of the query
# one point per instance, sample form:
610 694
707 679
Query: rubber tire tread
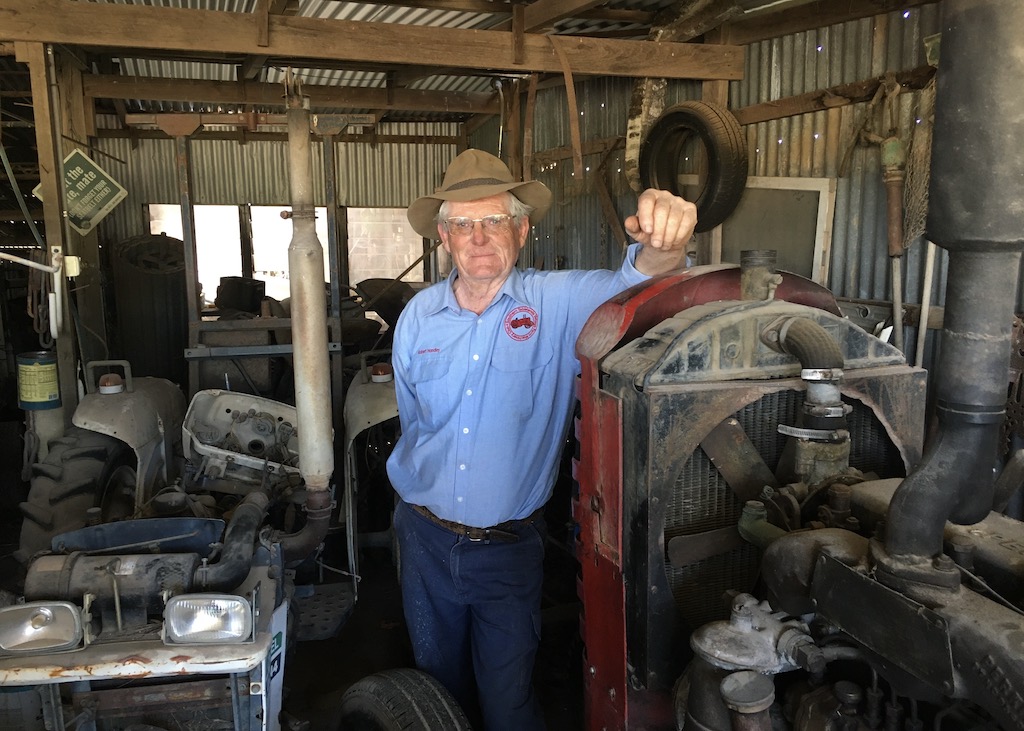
726 147
65 485
401 699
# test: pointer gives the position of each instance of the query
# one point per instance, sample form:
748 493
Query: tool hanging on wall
894 160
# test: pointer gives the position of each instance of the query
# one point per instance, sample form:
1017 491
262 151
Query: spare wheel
669 149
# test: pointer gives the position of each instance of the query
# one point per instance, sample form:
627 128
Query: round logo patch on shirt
521 323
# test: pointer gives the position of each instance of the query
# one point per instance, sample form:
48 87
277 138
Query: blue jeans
473 612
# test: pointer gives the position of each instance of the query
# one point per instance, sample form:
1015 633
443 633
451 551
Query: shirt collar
513 287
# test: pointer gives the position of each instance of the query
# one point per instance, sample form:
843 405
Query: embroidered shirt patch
521 323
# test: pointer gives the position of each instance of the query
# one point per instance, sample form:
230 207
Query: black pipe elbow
810 343
239 545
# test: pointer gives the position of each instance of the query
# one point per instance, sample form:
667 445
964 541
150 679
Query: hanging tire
82 470
724 143
401 699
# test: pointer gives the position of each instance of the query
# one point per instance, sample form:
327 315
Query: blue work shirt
485 400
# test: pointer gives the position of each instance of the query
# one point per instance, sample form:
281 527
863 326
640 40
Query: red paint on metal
608 702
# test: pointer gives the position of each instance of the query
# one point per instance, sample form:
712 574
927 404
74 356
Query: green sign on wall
89 192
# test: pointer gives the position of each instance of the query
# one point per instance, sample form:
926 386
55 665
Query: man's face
486 254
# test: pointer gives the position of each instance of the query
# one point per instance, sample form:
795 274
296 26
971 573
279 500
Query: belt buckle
487 535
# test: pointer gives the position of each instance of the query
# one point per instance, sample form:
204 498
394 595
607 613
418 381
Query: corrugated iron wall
809 145
226 172
814 145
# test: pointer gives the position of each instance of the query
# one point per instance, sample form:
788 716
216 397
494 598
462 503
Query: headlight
204 618
38 626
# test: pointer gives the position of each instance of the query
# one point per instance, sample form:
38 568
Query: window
218 240
271 236
381 243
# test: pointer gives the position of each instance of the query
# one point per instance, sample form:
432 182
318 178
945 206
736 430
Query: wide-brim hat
472 175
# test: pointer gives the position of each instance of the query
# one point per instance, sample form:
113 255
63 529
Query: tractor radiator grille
702 501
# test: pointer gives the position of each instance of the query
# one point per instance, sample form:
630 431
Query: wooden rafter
545 13
189 30
229 92
818 14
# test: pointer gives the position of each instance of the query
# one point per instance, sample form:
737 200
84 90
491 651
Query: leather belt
501 533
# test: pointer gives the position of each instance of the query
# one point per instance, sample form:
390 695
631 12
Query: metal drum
38 386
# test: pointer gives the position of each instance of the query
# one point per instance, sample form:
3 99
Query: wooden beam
545 13
251 67
834 96
51 171
817 14
182 29
362 138
250 92
15 214
598 146
77 119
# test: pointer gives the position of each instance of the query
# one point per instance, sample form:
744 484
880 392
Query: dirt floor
375 639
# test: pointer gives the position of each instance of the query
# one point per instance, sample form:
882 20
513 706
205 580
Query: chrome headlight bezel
31 620
227 619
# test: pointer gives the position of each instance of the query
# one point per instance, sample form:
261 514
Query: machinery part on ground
662 153
402 699
83 470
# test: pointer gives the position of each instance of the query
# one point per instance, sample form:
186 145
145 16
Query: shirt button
476 357
465 430
462 466
458 500
469 391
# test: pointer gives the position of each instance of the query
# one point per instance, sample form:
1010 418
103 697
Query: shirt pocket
428 378
519 372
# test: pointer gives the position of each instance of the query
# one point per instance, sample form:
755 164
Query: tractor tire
401 699
726 148
82 470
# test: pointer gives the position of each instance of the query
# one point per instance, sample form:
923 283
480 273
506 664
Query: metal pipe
926 302
758 278
974 192
21 199
309 335
337 255
183 170
955 479
48 268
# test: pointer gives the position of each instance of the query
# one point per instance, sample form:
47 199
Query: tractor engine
770 547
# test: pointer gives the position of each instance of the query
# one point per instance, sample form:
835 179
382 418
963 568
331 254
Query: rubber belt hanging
574 116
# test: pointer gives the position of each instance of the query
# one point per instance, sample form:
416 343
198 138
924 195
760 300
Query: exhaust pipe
975 195
309 339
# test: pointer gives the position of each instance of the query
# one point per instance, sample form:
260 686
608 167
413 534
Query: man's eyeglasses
463 225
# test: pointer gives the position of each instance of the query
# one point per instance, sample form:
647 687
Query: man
484 370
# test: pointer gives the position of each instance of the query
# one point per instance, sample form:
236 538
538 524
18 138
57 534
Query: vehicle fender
153 409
